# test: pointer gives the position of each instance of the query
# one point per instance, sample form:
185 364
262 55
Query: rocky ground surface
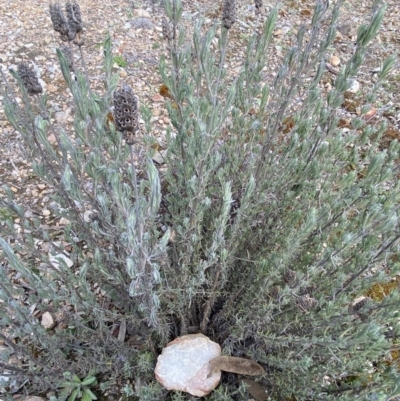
26 34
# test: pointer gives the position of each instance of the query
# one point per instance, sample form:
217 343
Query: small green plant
76 388
156 46
120 61
128 391
129 12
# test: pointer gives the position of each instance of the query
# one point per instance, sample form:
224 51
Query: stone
157 98
4 379
131 33
334 60
139 12
61 117
141 23
338 36
184 365
48 321
51 88
54 260
159 157
355 87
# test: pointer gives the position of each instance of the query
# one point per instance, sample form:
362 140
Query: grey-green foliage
248 203
75 388
94 191
271 236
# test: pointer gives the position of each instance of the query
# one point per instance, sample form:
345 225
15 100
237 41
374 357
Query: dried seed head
68 55
275 290
258 6
29 79
229 13
305 302
74 16
289 277
357 304
126 114
57 18
166 30
60 23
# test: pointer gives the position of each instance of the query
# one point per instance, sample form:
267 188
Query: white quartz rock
184 365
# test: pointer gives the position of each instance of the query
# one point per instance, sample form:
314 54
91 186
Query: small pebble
335 61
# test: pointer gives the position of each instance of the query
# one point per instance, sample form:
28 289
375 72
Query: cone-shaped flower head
275 291
229 13
126 114
60 23
289 277
74 16
305 302
29 79
358 303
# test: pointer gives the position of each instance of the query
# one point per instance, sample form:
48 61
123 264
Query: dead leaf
122 331
156 146
256 390
369 114
32 308
344 123
287 124
164 92
109 119
305 13
389 135
136 342
235 365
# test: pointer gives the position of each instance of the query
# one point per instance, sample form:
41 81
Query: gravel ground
26 34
